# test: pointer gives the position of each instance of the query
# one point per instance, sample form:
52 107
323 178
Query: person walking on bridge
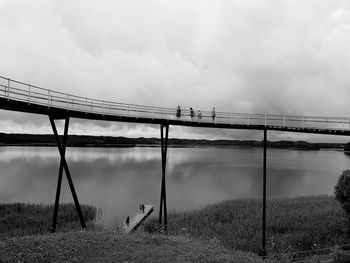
178 112
191 113
199 114
213 114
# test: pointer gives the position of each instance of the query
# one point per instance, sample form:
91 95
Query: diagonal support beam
60 173
64 165
164 148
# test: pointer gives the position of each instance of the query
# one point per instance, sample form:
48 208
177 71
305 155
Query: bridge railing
31 94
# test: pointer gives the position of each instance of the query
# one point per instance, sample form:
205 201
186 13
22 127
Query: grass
216 233
99 246
293 224
24 219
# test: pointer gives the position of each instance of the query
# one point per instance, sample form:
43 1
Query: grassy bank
18 223
24 219
99 246
293 224
212 234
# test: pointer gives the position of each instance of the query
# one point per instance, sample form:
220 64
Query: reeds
293 224
24 219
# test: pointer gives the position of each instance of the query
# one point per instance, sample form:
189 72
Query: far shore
158 146
48 140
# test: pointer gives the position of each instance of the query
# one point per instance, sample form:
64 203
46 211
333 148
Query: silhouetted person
191 113
199 114
213 114
142 208
127 221
178 112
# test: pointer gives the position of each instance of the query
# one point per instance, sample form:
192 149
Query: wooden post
264 198
164 147
64 165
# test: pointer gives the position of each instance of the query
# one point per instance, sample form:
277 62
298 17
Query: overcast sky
254 56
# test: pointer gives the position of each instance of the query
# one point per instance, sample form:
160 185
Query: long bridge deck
24 97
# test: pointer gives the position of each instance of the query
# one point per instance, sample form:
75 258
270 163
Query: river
117 180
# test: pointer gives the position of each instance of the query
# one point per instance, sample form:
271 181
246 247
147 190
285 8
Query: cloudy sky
254 56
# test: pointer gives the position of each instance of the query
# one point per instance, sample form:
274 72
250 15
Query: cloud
284 57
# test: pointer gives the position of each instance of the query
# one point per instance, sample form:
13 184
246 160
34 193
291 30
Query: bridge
24 97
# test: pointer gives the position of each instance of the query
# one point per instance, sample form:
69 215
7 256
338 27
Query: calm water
118 179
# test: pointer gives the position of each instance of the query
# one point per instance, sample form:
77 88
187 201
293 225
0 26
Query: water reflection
118 179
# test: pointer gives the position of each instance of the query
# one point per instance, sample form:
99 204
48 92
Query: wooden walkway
24 97
136 220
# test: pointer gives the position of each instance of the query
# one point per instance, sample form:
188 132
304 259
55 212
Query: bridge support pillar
64 165
264 197
164 147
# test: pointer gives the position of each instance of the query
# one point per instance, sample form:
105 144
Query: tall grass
292 223
23 219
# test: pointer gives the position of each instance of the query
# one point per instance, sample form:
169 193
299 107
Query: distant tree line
109 141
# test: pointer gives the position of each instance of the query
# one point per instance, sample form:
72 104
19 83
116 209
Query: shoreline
48 140
169 146
320 222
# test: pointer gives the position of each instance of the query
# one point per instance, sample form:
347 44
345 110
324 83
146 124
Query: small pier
136 220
